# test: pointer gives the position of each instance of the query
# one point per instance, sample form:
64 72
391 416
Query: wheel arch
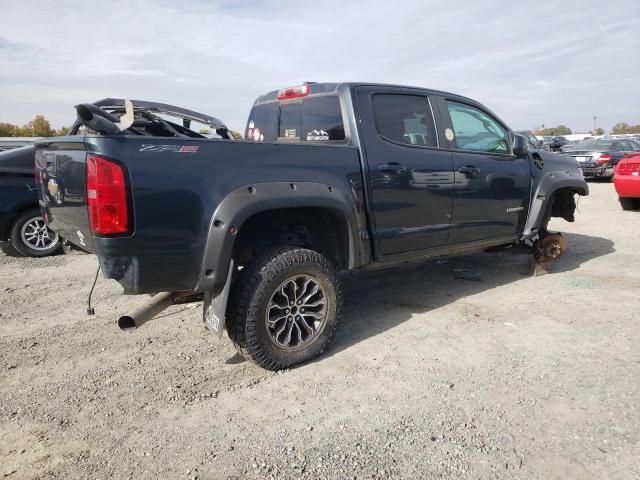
239 216
554 186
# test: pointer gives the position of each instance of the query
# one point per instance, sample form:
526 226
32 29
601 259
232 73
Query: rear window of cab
314 119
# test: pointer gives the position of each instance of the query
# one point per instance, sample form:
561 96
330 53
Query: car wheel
629 203
284 308
31 237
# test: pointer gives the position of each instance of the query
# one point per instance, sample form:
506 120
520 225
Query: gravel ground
431 375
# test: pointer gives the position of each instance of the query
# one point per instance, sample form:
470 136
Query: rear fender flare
548 185
244 202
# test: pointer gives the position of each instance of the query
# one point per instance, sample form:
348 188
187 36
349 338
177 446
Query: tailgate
62 192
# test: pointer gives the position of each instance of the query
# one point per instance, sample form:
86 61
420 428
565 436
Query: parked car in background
569 145
547 141
534 142
597 158
627 181
558 143
22 228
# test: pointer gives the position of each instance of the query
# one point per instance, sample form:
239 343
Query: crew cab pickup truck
330 177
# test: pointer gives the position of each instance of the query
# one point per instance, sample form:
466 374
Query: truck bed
174 186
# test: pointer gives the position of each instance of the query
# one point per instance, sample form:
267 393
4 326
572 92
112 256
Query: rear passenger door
410 177
492 185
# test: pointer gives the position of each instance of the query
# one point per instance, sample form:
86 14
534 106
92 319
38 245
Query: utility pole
594 124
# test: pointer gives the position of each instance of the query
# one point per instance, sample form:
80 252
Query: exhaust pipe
146 312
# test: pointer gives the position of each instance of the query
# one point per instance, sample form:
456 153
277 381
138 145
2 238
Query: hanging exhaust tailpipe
146 312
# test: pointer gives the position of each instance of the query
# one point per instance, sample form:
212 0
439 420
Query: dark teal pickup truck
329 177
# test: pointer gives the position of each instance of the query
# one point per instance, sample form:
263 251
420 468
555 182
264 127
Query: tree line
618 129
38 127
622 127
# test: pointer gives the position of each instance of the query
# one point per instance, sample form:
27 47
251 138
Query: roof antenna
90 309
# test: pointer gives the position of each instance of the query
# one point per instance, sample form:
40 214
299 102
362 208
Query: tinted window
635 146
263 121
627 146
474 130
405 119
314 119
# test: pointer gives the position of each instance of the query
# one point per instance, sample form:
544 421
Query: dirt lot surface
496 375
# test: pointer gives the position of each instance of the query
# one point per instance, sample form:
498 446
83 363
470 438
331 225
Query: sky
533 63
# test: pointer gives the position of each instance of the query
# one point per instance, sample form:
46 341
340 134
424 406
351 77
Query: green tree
598 131
7 130
623 127
41 127
62 131
553 131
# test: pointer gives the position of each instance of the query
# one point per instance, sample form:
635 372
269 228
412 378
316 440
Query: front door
411 178
492 186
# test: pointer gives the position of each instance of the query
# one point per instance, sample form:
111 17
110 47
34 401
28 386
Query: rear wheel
31 237
629 203
285 307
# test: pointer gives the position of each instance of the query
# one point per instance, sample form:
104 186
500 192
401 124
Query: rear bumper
597 171
139 268
627 185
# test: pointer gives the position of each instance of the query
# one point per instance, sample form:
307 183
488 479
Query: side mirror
520 145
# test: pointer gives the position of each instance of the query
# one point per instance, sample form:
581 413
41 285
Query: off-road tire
629 203
252 292
23 248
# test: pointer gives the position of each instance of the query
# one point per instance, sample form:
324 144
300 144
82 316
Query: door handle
392 167
469 170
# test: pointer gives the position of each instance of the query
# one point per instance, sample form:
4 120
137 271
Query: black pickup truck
330 177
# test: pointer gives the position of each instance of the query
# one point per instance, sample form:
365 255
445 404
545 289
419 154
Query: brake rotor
550 248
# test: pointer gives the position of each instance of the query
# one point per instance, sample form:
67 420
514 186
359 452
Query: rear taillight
604 158
628 168
294 92
106 197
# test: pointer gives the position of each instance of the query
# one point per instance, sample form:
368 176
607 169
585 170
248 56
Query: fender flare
244 202
548 185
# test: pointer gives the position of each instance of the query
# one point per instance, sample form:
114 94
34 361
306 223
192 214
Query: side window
405 119
627 146
476 131
635 146
263 123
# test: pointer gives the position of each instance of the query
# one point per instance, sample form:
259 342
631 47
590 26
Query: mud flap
214 308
